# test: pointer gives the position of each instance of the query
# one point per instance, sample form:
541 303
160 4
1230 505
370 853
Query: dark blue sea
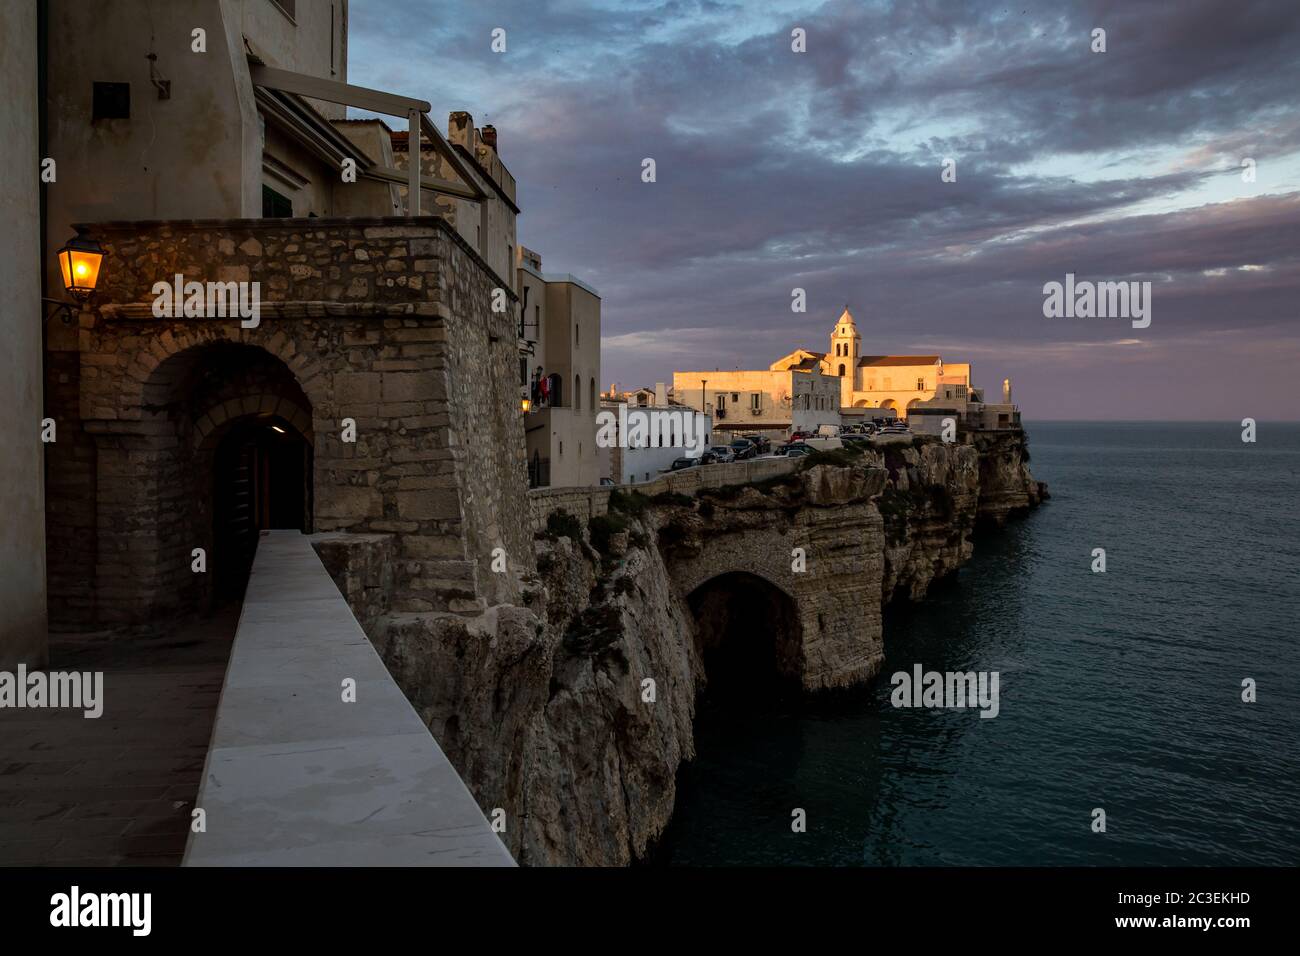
1119 690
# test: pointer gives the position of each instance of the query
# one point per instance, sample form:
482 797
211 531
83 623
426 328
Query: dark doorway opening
748 634
262 473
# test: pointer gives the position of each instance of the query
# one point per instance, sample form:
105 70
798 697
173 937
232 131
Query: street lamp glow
79 261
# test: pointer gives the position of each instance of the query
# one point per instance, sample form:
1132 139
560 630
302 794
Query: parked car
606 481
718 454
800 436
761 444
680 463
856 440
823 444
797 451
744 449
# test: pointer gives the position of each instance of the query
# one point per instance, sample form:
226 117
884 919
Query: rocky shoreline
573 711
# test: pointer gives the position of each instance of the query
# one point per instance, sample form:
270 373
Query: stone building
650 431
805 389
559 338
892 383
182 433
798 396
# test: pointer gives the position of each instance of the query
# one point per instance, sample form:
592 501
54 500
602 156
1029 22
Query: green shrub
561 524
673 498
628 502
671 534
601 527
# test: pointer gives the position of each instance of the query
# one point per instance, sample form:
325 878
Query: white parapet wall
298 776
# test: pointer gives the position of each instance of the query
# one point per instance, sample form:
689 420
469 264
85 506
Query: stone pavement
117 790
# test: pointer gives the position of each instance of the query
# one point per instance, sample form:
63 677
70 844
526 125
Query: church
895 384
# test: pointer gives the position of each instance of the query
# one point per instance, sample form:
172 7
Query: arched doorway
747 633
261 479
240 462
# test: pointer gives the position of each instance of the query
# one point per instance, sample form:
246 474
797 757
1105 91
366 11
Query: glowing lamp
525 404
79 260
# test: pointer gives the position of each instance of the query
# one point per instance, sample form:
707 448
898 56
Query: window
722 402
591 393
275 205
577 393
523 370
841 369
111 101
920 385
576 337
286 7
735 397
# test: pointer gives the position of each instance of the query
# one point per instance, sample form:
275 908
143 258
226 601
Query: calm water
1118 690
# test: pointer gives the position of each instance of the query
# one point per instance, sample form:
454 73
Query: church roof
895 360
845 316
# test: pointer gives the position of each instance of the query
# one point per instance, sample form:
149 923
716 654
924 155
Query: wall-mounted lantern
525 404
79 261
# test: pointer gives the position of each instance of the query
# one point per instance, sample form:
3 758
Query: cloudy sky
821 170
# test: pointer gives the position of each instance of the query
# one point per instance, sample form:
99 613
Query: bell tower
846 345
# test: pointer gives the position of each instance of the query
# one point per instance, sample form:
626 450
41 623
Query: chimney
661 393
460 129
1006 391
489 134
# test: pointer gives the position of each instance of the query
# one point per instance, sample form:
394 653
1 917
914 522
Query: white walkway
295 775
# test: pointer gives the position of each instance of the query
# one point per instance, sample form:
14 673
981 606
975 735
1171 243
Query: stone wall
378 321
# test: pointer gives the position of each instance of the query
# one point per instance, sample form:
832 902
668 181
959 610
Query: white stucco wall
22 498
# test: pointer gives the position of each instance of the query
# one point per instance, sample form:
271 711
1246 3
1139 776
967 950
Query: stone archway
747 633
158 466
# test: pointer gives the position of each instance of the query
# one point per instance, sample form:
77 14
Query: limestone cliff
573 712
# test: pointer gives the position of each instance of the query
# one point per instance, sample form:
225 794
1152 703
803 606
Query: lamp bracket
68 309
